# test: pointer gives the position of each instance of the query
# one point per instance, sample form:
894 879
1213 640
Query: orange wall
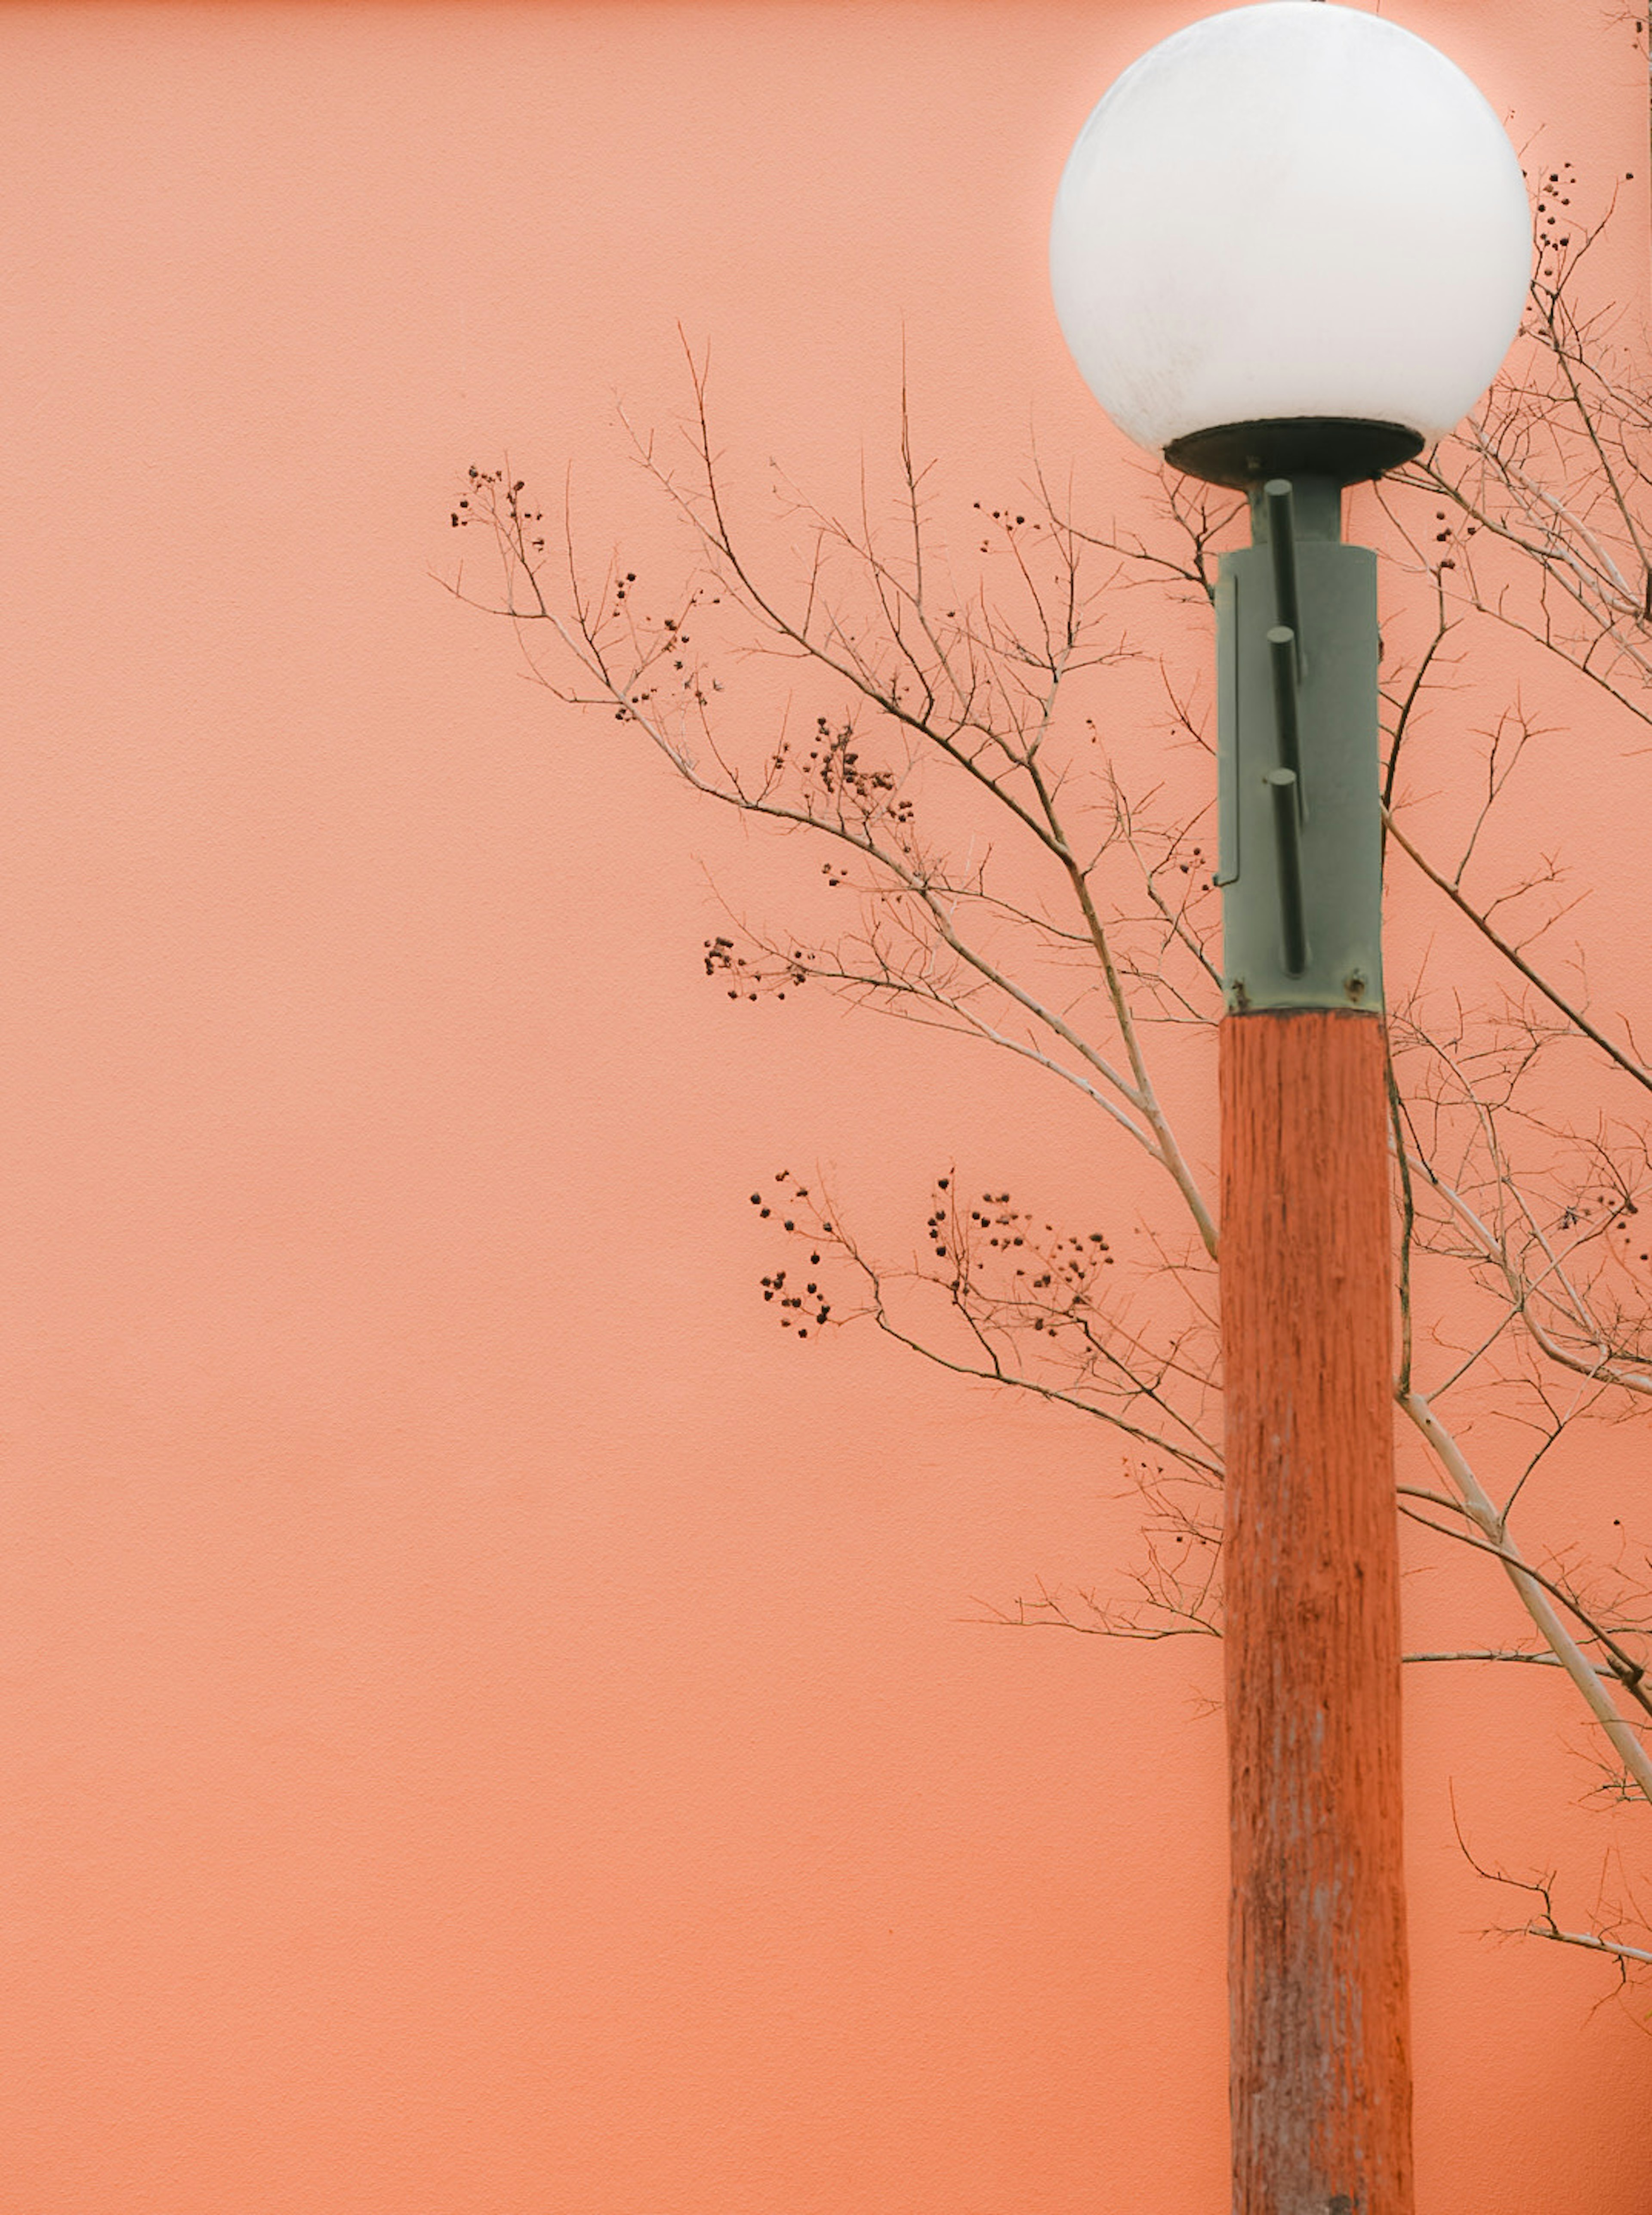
491 1727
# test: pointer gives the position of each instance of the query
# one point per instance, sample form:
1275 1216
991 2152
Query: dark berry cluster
501 504
1551 204
836 782
1007 523
1452 534
750 976
1049 1287
798 1309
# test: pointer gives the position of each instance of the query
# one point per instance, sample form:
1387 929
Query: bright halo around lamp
1291 238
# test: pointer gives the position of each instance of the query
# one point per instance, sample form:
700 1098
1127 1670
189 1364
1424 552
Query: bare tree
940 700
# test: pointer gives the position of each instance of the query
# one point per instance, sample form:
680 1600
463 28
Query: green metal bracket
1299 823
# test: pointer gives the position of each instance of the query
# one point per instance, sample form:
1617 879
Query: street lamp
1290 249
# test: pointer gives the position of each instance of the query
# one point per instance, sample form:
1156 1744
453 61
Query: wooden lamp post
1291 248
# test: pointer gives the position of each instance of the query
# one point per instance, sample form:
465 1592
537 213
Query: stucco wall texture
491 1726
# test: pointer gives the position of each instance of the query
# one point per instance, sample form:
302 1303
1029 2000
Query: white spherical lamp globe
1292 237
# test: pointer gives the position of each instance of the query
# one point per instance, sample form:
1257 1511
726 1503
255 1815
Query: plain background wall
491 1727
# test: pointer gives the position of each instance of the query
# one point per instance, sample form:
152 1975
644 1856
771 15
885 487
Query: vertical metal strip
1227 728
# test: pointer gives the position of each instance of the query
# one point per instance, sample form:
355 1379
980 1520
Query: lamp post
1290 249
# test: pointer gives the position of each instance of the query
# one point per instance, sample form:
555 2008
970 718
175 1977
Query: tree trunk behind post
1320 2066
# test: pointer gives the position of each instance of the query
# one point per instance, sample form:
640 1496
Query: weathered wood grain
1320 2073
